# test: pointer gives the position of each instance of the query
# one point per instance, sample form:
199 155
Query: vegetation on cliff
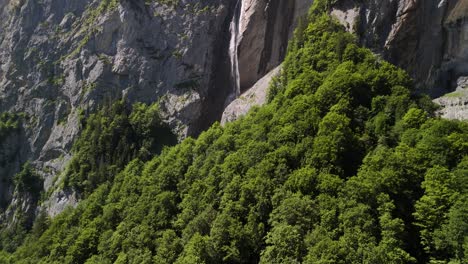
110 139
343 165
9 122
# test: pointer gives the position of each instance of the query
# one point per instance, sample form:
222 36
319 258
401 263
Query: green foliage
5 257
9 122
13 235
110 139
28 186
27 180
343 165
441 213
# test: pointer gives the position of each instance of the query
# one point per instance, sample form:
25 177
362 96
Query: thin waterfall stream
234 29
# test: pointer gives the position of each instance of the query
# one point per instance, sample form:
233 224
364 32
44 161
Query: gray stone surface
255 96
455 104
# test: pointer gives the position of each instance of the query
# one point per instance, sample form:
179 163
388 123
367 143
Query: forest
344 164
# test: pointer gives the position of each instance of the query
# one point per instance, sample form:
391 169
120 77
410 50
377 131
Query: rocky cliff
265 28
62 59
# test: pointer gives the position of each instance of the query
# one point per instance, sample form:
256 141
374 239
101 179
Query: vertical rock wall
265 28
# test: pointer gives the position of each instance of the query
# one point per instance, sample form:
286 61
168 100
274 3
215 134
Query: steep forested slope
343 165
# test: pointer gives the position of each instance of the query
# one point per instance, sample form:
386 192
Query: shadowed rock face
425 37
456 43
265 27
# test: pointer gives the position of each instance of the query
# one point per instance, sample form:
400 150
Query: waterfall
234 29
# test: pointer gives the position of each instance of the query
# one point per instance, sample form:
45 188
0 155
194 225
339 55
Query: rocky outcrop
455 105
255 96
59 201
425 37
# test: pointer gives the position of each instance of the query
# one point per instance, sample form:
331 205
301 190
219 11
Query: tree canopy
345 164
